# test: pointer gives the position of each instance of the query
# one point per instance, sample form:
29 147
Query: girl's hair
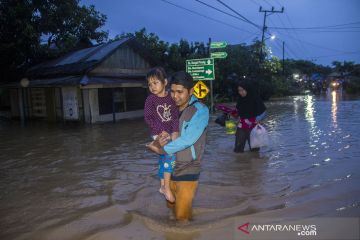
158 73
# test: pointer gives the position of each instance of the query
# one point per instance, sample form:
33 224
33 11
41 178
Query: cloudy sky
317 30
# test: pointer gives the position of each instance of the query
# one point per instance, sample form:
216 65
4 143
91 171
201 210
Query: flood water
99 182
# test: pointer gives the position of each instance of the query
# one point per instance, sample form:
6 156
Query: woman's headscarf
251 105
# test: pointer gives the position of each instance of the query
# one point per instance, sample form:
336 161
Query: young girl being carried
161 114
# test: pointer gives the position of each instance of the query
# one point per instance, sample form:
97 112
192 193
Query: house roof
84 60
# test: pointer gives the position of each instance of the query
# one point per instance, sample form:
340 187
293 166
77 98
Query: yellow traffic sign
200 89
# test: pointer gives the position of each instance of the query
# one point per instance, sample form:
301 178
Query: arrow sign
201 69
218 44
219 54
200 89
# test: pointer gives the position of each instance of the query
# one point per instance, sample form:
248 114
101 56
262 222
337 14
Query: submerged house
96 84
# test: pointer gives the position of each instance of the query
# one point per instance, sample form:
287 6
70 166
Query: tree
345 67
151 42
32 31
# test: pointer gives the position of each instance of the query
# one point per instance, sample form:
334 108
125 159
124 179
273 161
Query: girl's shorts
166 164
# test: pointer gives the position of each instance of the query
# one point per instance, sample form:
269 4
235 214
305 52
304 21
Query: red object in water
226 109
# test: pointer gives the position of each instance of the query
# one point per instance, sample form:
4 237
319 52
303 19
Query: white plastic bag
259 137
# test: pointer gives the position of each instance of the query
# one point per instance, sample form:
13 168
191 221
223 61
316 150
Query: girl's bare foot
162 190
168 195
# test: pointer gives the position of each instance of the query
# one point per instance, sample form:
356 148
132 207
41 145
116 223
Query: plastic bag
230 126
259 137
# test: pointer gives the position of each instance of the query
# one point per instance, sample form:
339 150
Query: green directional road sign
201 69
218 54
218 44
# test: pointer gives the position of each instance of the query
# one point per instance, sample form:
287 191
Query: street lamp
272 37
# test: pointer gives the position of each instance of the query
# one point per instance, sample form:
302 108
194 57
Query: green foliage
171 56
353 85
345 67
353 82
243 61
32 31
304 67
351 72
150 41
281 86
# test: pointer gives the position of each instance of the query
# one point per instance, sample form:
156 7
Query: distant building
96 84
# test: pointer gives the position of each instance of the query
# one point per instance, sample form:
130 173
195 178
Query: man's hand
163 138
155 147
158 144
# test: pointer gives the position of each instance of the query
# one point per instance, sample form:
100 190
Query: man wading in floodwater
188 147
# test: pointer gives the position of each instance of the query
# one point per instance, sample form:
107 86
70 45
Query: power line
297 47
319 46
331 31
334 55
278 3
239 18
267 3
297 42
272 11
321 27
251 37
231 9
280 47
253 1
290 50
210 18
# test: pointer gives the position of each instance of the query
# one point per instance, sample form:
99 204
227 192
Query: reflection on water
334 100
309 110
99 182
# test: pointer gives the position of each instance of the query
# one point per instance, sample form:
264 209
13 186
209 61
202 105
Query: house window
106 100
135 98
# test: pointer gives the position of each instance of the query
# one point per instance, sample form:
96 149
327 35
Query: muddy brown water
99 181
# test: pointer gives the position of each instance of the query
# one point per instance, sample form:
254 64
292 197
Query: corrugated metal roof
105 50
77 56
77 62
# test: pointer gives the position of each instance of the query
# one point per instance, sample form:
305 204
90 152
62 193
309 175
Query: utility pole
211 85
266 13
283 59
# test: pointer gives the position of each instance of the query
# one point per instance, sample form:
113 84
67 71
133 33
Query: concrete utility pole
266 13
211 84
283 59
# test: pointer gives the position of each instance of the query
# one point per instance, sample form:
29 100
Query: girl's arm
148 113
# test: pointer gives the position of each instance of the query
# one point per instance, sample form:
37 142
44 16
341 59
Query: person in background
162 114
251 111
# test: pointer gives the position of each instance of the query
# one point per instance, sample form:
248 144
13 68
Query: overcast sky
329 29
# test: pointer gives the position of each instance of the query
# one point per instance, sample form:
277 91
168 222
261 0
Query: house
97 84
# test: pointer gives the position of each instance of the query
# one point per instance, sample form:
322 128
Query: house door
70 103
38 102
